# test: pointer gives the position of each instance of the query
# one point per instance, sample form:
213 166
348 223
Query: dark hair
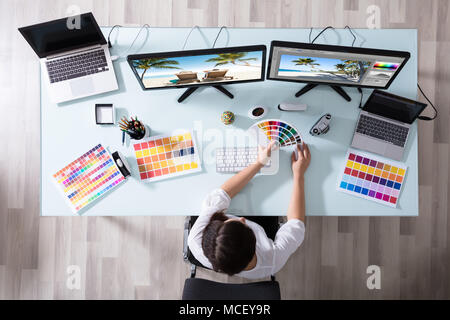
228 246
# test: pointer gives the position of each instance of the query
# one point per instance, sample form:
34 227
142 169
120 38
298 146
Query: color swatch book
164 157
88 178
371 177
276 130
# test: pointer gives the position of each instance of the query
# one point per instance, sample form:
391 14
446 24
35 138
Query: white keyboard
231 160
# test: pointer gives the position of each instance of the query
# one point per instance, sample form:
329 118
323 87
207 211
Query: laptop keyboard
77 66
383 130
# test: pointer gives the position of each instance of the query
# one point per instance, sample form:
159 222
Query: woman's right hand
300 165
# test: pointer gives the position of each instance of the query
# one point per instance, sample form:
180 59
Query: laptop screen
63 34
393 107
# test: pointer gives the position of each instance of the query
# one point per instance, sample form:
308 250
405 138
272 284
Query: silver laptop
384 123
74 57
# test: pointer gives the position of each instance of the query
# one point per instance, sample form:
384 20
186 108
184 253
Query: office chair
202 289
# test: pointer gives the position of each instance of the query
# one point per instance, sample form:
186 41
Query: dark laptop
384 124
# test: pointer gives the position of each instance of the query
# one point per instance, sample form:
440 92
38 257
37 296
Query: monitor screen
199 67
336 65
63 35
394 107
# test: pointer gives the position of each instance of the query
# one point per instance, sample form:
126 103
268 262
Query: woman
239 247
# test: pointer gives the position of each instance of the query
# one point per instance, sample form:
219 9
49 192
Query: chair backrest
201 289
216 73
186 75
269 223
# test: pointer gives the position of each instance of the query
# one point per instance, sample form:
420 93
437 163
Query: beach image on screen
201 69
322 69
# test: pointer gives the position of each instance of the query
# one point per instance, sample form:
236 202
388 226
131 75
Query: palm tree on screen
355 67
340 67
154 63
233 58
306 62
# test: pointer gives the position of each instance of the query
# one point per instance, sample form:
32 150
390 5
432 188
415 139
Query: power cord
432 105
330 27
354 37
360 101
221 28
197 27
109 34
323 30
115 57
189 34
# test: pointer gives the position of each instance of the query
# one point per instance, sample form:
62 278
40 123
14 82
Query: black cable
330 27
435 111
323 30
132 44
214 44
360 101
109 34
354 37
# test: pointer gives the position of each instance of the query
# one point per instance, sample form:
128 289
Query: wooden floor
140 257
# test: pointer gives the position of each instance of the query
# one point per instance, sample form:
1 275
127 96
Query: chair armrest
187 227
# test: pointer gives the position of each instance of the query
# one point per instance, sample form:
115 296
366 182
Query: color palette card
164 157
371 177
276 130
88 178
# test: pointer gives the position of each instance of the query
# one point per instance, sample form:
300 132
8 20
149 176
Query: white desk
69 130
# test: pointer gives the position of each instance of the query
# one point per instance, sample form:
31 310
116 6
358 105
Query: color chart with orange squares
164 157
372 177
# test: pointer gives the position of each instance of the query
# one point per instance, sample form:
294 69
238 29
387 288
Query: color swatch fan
164 157
372 178
275 130
88 178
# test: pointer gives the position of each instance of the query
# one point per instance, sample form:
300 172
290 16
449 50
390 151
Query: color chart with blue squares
372 178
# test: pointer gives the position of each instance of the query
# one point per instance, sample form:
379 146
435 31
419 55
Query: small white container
105 114
257 112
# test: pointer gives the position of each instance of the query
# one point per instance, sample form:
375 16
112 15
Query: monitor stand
191 90
338 89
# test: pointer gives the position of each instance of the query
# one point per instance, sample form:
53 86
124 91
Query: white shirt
271 255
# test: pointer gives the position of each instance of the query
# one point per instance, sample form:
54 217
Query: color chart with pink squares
88 178
371 177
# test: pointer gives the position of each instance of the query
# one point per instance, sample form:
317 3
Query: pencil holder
135 129
140 135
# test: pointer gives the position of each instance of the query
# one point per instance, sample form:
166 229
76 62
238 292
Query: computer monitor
195 68
334 65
